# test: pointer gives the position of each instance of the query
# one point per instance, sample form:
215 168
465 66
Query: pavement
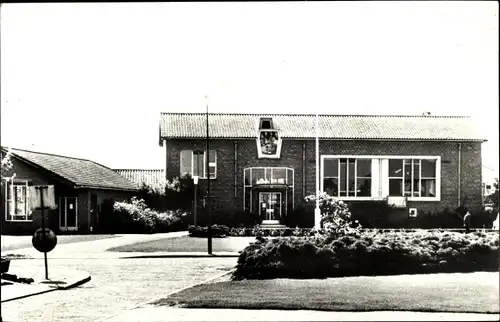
163 313
61 278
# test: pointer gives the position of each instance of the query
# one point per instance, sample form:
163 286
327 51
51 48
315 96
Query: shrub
136 217
372 214
335 216
218 231
170 195
302 216
370 253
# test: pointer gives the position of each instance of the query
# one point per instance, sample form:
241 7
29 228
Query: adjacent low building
80 188
266 164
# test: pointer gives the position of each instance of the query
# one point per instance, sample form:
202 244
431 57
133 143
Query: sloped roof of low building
302 126
150 177
80 172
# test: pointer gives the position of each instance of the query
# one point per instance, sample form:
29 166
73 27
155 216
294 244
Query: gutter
106 188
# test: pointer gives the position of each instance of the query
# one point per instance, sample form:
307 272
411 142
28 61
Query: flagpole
317 211
209 205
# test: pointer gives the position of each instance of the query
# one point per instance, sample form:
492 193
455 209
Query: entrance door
270 205
93 212
68 213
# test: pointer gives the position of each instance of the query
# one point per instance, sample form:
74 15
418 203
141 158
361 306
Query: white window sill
359 198
423 199
27 220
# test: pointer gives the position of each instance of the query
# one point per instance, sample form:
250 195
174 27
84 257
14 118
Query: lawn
461 292
188 244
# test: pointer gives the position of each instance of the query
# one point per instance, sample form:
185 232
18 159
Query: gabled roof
302 126
80 172
138 176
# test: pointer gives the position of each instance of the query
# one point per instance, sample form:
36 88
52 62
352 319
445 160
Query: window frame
383 178
10 184
191 172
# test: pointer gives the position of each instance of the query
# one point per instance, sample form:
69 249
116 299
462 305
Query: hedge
369 253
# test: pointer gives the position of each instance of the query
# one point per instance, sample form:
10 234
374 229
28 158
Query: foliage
217 231
369 253
136 217
372 214
493 197
302 216
335 215
169 195
6 165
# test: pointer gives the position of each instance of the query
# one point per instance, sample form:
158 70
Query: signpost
44 240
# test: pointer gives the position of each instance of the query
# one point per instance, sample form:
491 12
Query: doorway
68 213
270 207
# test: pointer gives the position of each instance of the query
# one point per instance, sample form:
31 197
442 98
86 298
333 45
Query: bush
369 253
302 216
170 195
372 214
218 231
224 217
335 215
136 217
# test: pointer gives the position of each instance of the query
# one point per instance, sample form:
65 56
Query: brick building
80 188
266 164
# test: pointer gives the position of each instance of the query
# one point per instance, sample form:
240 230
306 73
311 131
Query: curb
182 255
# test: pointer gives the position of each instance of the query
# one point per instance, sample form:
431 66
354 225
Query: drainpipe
303 170
235 171
459 173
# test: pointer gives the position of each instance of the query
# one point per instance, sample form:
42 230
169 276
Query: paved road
116 285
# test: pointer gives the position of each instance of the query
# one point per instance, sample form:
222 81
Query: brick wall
223 188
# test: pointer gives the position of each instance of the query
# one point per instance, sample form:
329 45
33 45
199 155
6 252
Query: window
267 175
412 177
193 163
376 177
347 177
17 202
266 123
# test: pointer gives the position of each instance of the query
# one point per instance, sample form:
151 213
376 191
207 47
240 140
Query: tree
6 166
493 198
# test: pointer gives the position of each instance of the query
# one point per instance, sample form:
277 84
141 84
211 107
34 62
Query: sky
90 79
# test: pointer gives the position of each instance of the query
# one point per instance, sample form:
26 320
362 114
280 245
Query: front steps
271 224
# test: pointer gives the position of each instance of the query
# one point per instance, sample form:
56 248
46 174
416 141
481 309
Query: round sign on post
42 244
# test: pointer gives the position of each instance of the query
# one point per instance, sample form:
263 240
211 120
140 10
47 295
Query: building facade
266 164
80 189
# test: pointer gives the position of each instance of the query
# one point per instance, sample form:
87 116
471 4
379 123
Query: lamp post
209 246
317 211
195 181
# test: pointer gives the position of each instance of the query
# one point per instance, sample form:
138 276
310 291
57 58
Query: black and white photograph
250 161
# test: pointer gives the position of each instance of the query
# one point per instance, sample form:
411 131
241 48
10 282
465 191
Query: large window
412 177
17 206
193 163
347 177
376 177
267 175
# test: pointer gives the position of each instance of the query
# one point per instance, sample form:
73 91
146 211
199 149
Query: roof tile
403 127
83 173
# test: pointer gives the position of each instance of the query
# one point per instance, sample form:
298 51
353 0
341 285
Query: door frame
280 203
62 208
